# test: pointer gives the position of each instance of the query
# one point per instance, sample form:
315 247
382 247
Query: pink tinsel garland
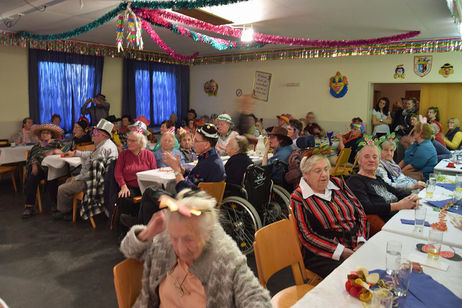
164 46
274 39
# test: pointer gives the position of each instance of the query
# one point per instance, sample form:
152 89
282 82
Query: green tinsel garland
177 4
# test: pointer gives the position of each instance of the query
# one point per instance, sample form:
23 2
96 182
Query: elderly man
331 222
312 128
189 260
105 148
225 132
98 110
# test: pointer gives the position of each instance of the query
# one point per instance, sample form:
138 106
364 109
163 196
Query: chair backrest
85 147
341 163
258 184
215 189
276 247
127 281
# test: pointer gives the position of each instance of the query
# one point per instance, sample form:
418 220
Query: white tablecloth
57 165
16 154
441 167
331 291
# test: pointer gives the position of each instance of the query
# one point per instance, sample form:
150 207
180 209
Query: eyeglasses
95 132
132 140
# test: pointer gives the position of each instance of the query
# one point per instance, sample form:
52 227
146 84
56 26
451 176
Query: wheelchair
257 203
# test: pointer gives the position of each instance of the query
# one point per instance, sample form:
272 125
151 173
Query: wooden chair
215 189
341 166
79 197
11 170
375 224
85 147
276 248
127 281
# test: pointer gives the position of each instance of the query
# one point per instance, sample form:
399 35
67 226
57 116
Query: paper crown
105 126
323 150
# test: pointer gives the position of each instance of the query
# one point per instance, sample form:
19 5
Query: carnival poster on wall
261 86
422 65
338 85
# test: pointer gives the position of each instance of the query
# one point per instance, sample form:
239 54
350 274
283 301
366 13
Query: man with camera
96 107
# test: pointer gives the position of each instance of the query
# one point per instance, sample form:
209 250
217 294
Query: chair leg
92 221
74 209
13 179
115 214
39 199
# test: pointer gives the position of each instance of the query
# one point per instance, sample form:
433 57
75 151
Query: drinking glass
430 190
435 237
401 277
393 255
419 219
382 298
458 183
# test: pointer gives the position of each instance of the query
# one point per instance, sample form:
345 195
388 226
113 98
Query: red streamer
155 37
275 39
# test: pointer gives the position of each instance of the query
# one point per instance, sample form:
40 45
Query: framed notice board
261 86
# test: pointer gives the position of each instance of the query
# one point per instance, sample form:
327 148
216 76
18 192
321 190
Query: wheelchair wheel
240 220
282 190
278 208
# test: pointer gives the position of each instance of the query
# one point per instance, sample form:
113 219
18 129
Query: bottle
260 148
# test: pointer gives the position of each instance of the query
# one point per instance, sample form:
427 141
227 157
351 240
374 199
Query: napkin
442 203
424 291
411 222
447 186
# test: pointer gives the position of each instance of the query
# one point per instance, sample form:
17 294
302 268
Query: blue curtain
155 90
60 83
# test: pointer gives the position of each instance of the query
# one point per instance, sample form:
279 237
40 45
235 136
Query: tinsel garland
164 46
217 43
275 39
174 4
409 47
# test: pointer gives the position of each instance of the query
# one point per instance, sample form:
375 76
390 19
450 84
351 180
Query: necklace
179 286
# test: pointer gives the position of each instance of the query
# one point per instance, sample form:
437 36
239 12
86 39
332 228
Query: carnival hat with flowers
55 130
225 117
143 119
323 150
208 130
391 137
368 140
139 127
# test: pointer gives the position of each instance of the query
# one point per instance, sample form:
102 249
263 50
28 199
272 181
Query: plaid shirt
93 198
320 222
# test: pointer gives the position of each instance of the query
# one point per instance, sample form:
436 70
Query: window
157 90
61 83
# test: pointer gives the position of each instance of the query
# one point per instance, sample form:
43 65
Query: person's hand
407 203
155 226
57 151
359 246
69 154
339 137
267 147
73 179
346 253
419 185
34 170
171 161
124 192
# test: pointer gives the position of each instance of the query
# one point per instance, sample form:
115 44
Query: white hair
308 162
142 140
198 200
360 153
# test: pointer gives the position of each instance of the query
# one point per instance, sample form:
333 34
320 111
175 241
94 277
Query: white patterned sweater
221 268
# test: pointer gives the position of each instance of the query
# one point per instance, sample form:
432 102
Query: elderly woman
25 134
81 132
357 131
281 144
167 144
134 159
294 128
376 196
453 137
238 162
48 144
186 146
225 133
391 173
331 222
421 157
165 126
190 259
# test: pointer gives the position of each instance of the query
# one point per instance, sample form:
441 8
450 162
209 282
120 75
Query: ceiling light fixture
247 34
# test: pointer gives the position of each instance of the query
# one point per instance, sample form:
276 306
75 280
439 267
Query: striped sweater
322 224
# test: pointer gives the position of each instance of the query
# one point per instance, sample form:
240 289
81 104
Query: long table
331 291
442 167
16 154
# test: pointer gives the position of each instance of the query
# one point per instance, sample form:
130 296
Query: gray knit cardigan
221 268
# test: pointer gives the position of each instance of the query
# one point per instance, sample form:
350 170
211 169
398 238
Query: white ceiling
314 19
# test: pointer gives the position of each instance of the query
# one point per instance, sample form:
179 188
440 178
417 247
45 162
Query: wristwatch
177 172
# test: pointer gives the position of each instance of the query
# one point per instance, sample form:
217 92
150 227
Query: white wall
313 93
